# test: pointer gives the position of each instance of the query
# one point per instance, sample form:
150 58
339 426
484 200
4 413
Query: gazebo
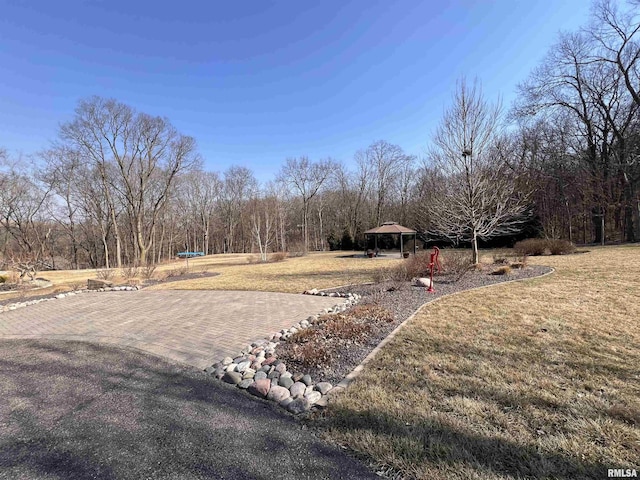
392 228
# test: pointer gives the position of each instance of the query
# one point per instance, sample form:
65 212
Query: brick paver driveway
194 327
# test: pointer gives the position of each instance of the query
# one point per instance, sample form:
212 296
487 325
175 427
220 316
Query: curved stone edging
258 370
26 303
346 381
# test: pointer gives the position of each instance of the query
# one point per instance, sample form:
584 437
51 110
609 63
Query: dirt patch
400 299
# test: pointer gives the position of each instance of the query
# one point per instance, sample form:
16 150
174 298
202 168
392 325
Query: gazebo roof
389 227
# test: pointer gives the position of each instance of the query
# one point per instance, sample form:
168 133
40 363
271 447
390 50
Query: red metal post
434 263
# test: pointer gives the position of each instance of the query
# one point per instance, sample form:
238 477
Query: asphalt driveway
84 410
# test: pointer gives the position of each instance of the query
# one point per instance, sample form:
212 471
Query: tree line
120 187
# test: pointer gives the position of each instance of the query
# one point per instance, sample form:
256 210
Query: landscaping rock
227 361
285 382
246 383
96 284
313 397
299 405
306 379
323 402
232 377
277 394
297 377
256 366
297 389
242 366
231 367
249 373
323 387
284 403
423 282
281 368
260 388
260 375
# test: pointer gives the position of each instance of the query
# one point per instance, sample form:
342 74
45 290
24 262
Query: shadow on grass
438 447
80 410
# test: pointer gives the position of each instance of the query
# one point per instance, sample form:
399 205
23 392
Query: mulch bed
401 299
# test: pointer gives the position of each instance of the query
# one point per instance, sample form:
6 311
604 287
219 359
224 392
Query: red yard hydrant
433 263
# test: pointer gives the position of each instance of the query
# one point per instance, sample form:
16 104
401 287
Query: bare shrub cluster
105 273
129 272
271 258
543 246
314 347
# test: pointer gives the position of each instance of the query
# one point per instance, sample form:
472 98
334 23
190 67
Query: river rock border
59 296
258 370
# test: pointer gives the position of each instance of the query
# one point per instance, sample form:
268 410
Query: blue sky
256 81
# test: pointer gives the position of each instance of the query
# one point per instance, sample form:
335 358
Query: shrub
540 246
148 270
504 270
312 354
380 275
370 312
499 258
105 273
345 328
406 270
560 247
296 249
178 271
304 336
531 246
277 257
455 262
129 272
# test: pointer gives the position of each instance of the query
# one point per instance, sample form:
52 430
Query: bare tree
137 154
306 178
23 206
618 35
264 217
476 194
386 161
237 190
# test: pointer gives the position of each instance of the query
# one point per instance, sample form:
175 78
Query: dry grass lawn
535 379
293 275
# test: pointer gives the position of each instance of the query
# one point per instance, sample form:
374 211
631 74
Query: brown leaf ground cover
536 379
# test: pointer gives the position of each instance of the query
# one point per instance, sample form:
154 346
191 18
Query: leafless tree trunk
306 178
146 153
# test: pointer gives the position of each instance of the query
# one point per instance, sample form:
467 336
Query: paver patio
194 327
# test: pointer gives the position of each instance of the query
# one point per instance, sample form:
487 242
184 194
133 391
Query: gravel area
402 299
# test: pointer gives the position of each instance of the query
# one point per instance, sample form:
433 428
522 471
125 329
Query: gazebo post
401 245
